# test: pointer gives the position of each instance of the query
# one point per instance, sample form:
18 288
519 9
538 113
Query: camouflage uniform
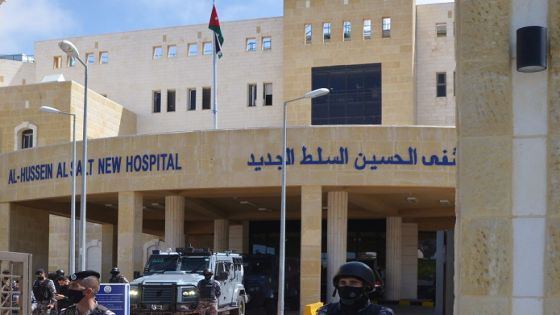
44 292
369 309
98 310
209 291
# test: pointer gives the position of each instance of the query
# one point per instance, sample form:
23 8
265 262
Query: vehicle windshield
162 263
192 264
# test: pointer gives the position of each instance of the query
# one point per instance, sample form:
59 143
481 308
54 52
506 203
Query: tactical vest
207 289
98 310
41 290
334 309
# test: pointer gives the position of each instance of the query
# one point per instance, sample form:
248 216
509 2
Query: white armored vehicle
170 278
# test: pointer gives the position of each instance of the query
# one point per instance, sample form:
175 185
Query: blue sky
23 22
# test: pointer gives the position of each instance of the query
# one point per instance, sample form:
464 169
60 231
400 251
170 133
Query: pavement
398 309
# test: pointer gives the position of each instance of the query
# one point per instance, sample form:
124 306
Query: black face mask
208 277
74 296
352 297
40 278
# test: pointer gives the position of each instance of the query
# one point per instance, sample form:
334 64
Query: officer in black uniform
209 292
83 287
354 281
117 277
62 300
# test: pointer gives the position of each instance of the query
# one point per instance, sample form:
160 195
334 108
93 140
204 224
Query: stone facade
435 54
395 53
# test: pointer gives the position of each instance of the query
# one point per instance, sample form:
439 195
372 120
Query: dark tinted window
156 106
206 98
355 96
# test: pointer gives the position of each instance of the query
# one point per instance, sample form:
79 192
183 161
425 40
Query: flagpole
214 80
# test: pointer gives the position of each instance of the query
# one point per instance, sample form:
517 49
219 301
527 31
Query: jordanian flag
214 25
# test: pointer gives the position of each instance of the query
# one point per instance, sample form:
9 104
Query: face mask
208 277
40 278
75 296
351 296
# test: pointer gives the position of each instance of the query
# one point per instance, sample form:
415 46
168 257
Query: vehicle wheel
240 307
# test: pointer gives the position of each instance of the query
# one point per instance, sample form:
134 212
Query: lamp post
281 273
70 49
72 245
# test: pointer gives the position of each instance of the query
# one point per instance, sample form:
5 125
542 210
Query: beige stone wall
16 73
483 242
131 74
435 54
396 54
59 228
552 249
207 165
20 104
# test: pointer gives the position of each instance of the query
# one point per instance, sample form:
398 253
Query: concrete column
393 264
236 238
337 226
508 222
59 238
129 257
409 269
310 263
5 214
221 234
246 249
175 221
107 250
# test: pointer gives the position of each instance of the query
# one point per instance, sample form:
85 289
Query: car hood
179 278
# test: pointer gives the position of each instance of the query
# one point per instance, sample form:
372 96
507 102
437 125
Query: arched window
25 136
27 139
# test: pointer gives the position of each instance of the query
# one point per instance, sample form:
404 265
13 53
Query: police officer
55 276
62 300
354 281
209 292
44 292
81 292
117 277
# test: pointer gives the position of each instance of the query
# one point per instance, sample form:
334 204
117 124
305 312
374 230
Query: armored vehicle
170 279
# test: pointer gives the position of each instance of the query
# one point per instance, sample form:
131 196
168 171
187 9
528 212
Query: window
103 57
386 27
156 101
171 51
193 49
170 100
308 33
441 29
347 30
70 61
207 49
206 96
441 84
251 44
90 58
252 95
27 139
267 43
355 96
367 29
326 32
191 99
267 94
57 62
157 51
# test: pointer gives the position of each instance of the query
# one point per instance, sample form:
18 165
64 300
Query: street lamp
282 276
72 245
70 49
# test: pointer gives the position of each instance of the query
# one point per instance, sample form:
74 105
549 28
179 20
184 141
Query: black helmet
115 271
357 270
207 271
60 272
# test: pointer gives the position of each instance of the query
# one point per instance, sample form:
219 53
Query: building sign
115 296
360 160
106 165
